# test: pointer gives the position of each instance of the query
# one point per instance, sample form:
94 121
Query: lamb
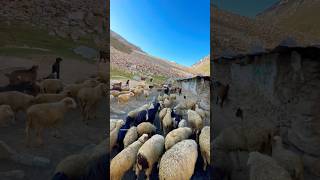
149 154
177 135
182 123
124 98
130 137
47 98
204 143
16 100
114 133
290 161
167 122
40 116
6 115
126 159
25 75
88 100
51 86
146 128
179 161
195 122
265 167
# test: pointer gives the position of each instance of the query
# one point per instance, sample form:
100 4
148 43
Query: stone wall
281 87
64 18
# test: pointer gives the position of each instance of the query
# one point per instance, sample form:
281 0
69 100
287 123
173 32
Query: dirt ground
199 174
75 135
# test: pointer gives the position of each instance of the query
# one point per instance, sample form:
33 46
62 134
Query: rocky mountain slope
126 56
202 67
235 34
294 15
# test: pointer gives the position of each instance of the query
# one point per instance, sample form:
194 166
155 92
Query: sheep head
69 103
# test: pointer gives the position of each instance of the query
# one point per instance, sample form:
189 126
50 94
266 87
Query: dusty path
75 135
199 173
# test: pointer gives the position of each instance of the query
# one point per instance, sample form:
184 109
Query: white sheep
177 135
290 161
16 100
167 122
51 97
263 167
179 161
40 116
51 86
89 98
195 121
6 115
114 133
146 128
149 154
130 137
182 123
126 159
124 98
204 143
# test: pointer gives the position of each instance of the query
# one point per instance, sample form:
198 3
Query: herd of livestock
140 144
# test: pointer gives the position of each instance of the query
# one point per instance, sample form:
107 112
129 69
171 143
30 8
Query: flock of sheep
175 151
268 157
46 105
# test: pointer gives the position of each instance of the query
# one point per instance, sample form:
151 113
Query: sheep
16 100
167 122
51 86
162 113
146 94
74 166
204 143
149 154
287 159
134 113
47 98
130 137
88 98
179 161
182 123
126 159
40 116
146 128
124 98
167 103
243 138
113 123
75 88
195 121
200 111
114 133
265 167
177 135
25 75
6 115
222 93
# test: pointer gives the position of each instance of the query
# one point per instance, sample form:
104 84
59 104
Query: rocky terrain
235 34
202 67
128 57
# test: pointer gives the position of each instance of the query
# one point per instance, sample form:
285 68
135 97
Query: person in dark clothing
56 67
180 89
127 83
151 80
166 91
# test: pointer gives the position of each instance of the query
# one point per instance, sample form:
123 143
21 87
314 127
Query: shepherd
56 68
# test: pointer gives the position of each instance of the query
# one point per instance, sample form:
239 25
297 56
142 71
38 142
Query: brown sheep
88 100
40 116
25 75
51 86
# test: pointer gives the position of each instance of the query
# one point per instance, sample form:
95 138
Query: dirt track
75 135
199 174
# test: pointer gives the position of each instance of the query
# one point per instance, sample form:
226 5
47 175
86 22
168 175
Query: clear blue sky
244 7
176 30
